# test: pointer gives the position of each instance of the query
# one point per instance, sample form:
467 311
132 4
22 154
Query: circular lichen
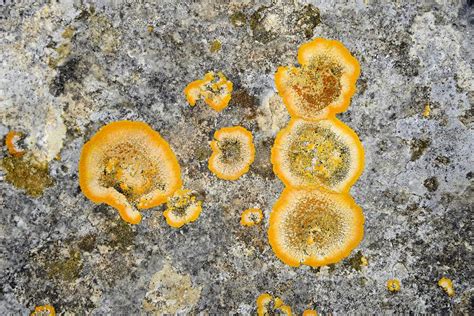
314 227
128 166
182 208
323 85
233 152
251 217
324 153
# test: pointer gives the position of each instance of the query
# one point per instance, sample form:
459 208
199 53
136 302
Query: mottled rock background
69 68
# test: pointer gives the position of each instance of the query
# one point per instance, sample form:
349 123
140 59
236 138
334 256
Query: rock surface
68 69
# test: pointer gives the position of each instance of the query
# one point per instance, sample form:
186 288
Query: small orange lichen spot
128 166
216 92
267 305
363 261
323 85
447 285
315 227
251 217
45 310
393 285
427 110
310 312
11 141
233 152
324 153
182 208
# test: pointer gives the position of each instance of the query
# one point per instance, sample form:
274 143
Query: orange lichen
268 305
427 110
310 312
216 92
11 141
393 285
128 166
323 85
182 208
324 153
251 217
45 310
314 227
447 285
233 152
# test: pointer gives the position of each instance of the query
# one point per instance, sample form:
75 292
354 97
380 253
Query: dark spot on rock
418 147
238 19
332 267
262 165
355 261
431 184
361 86
66 269
308 18
120 235
70 71
315 270
257 25
403 62
468 117
443 160
470 175
87 243
242 99
412 207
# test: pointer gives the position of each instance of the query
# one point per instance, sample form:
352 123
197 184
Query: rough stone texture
67 70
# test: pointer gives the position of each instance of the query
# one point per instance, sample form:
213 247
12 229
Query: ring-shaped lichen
323 85
128 166
323 153
314 227
233 152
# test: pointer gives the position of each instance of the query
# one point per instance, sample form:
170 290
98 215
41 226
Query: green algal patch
27 174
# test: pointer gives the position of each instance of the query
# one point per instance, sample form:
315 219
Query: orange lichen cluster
393 285
251 217
215 91
128 166
314 227
324 153
447 285
182 208
45 310
310 312
318 158
269 305
11 141
233 152
323 85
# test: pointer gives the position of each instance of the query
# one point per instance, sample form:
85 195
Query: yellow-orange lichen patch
182 208
310 312
128 166
216 91
11 141
393 285
268 305
45 310
233 152
447 285
314 227
323 85
251 217
323 153
427 110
